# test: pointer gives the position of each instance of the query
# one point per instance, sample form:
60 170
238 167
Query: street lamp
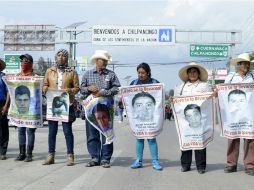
73 44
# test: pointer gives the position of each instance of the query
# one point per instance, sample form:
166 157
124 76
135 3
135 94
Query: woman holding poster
144 101
193 77
61 77
237 104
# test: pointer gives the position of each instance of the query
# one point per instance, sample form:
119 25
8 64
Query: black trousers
4 134
200 157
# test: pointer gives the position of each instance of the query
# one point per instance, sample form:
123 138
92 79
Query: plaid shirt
106 81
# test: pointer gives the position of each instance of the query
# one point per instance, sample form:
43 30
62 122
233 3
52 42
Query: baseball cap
28 58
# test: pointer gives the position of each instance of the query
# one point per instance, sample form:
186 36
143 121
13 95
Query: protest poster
235 104
26 100
99 113
144 106
57 105
194 120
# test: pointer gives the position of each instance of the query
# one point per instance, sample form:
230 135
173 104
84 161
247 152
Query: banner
58 104
235 110
144 105
26 100
100 114
194 120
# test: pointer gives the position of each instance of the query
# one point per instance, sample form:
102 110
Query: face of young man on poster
103 120
237 102
22 103
193 116
144 109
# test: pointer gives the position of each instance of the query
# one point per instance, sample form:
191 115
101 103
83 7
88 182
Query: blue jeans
97 150
30 135
152 146
69 139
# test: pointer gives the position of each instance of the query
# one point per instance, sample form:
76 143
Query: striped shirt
106 81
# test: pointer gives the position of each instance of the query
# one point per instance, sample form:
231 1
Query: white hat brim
184 76
234 61
99 56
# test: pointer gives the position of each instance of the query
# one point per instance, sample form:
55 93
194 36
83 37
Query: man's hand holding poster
235 103
57 105
194 119
144 105
100 114
26 100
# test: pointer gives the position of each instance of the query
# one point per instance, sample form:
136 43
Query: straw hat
101 54
184 76
239 58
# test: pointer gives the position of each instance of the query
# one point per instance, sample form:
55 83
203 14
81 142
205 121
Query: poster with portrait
26 100
99 113
194 120
57 105
235 110
144 106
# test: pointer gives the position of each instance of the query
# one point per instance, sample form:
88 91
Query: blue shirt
139 82
3 88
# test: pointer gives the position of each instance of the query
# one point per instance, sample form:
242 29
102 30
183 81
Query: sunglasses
25 60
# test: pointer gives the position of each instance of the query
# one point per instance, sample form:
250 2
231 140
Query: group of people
102 82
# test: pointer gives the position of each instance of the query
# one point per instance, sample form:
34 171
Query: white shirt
196 88
237 78
59 79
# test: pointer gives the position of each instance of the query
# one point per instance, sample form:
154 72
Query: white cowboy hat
101 54
184 76
239 58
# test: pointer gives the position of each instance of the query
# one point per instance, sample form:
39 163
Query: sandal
92 164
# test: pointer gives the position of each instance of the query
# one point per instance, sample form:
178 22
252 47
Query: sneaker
201 170
156 165
105 164
230 169
136 164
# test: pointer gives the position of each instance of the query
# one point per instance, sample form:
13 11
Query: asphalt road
32 176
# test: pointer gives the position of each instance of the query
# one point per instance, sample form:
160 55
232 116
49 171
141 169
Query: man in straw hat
194 79
100 82
242 75
4 105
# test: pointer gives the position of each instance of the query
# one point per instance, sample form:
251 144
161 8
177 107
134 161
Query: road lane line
88 179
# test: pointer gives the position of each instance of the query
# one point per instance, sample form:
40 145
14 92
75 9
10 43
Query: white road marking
88 179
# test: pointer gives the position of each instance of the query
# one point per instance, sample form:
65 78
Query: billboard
29 38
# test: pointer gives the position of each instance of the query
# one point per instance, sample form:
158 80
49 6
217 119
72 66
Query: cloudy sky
184 14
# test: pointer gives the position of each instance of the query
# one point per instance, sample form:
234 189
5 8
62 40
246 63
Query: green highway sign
12 63
203 50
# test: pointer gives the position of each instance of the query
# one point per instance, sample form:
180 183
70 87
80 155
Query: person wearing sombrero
242 75
194 79
100 82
